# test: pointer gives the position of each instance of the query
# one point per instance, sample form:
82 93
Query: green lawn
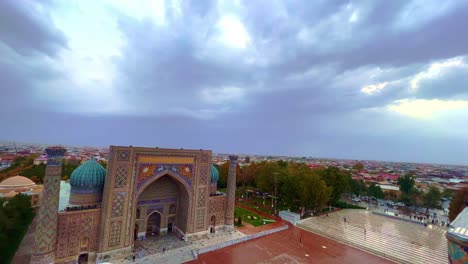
250 217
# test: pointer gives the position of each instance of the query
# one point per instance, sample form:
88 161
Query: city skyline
352 80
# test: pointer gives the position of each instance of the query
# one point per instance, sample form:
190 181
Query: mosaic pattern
118 204
46 229
120 177
73 227
204 158
216 204
148 171
203 178
201 197
114 235
216 208
200 219
231 192
123 155
457 253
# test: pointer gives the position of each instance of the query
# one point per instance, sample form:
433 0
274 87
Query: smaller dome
89 176
214 174
16 181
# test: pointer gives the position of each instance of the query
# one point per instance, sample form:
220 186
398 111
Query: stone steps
379 243
387 239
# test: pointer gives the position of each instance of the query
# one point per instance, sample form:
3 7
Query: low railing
237 241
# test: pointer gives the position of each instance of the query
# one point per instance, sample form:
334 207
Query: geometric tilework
204 158
200 219
74 227
216 208
201 197
47 222
123 155
114 235
217 204
203 175
120 177
118 204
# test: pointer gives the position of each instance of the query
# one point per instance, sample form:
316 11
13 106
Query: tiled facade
147 191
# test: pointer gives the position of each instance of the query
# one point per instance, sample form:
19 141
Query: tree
336 179
358 166
15 216
264 178
34 178
223 174
415 198
247 159
375 191
357 187
447 193
432 198
406 184
458 203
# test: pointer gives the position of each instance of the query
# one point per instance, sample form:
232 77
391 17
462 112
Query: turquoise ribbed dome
214 174
89 177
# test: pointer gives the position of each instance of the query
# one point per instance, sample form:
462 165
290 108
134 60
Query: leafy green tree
357 187
15 216
432 198
448 193
336 179
223 173
264 178
406 184
460 200
375 191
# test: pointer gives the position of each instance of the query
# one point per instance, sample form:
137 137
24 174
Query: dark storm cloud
299 79
27 29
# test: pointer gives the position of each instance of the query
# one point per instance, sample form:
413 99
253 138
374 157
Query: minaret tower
231 193
47 218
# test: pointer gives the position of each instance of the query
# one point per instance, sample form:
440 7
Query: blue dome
88 177
214 174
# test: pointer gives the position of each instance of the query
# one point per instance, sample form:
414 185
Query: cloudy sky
380 80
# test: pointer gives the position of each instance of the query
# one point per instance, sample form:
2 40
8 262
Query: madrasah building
143 192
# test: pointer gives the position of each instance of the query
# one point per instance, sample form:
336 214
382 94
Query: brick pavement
293 245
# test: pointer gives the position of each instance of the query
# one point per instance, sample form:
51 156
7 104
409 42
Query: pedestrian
133 257
344 218
164 250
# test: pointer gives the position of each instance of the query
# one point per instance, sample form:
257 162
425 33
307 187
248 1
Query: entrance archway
135 232
213 224
163 206
153 224
83 258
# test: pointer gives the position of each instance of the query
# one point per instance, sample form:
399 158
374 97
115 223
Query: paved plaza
177 251
394 239
292 246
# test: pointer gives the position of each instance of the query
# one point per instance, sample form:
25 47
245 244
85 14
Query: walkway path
401 241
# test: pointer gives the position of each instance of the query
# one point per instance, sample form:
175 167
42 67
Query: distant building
19 184
40 160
